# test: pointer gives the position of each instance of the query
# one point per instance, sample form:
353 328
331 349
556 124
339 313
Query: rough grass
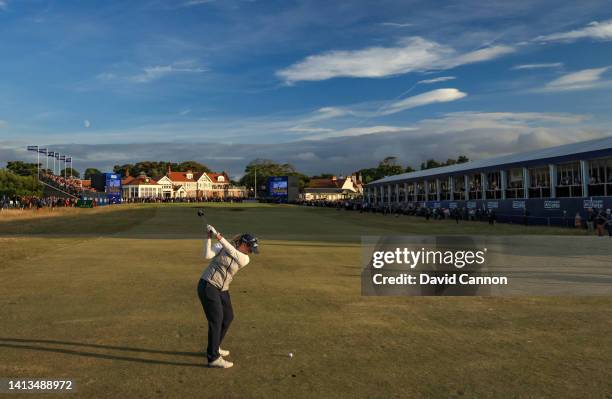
108 298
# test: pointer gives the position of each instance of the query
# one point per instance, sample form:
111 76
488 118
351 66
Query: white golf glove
211 230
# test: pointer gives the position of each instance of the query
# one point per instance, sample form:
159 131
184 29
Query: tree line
19 178
159 168
12 184
389 167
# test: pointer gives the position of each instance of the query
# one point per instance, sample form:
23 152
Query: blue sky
328 86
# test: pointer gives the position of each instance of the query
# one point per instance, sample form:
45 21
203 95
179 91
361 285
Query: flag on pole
57 155
69 159
42 151
51 153
32 148
62 157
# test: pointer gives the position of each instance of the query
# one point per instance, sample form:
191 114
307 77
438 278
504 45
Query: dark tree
22 168
91 171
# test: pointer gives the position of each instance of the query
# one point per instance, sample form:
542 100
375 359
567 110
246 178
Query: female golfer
213 288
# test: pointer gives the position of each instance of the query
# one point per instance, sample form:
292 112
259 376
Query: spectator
578 221
600 222
590 220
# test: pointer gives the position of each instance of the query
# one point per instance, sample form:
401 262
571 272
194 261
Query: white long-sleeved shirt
225 263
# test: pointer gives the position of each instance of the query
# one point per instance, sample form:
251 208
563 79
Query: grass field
108 297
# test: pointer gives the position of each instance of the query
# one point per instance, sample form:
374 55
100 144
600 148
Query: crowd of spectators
597 220
156 200
33 202
70 185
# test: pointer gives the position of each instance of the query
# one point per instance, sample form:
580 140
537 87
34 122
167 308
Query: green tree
22 168
159 168
12 184
67 171
89 172
265 168
193 166
323 176
430 164
389 167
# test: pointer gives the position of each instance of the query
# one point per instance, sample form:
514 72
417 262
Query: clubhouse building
549 185
182 185
333 189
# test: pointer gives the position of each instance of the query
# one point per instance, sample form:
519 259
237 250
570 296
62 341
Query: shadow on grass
30 344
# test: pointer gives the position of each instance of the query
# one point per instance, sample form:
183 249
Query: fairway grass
108 297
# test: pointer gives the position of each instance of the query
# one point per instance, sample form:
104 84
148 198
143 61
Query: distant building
333 189
198 185
140 187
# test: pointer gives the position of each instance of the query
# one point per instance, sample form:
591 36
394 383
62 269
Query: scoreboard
283 188
108 183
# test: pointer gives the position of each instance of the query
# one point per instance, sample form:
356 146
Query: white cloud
150 74
106 76
483 121
481 55
185 112
196 2
436 80
307 156
87 123
396 24
584 79
3 4
328 113
594 30
539 66
360 131
430 97
413 54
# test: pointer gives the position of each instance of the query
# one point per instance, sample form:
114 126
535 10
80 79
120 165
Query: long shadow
16 343
121 348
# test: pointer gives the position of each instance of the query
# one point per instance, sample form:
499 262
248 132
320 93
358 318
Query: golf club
203 216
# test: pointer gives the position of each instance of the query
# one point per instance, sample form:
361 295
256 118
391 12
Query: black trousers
219 313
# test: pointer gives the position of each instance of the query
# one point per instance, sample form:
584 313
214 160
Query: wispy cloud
150 74
430 97
396 24
584 79
475 134
3 4
185 112
86 123
192 3
436 80
360 131
413 54
594 30
539 66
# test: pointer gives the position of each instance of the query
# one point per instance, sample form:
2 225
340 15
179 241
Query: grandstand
549 186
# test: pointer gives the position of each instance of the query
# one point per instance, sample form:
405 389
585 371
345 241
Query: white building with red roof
198 185
140 187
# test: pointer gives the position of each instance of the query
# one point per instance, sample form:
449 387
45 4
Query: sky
328 86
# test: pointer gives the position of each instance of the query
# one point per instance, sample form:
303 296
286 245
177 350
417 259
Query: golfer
213 288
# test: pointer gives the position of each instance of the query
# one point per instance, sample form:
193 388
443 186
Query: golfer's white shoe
223 352
220 363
